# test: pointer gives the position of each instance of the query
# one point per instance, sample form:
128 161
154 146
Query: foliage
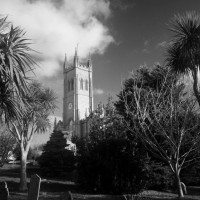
110 167
105 123
16 109
166 121
160 176
154 79
55 160
183 52
107 161
40 103
7 144
15 61
35 152
190 174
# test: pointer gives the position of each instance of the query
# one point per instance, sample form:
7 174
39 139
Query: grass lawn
49 189
55 189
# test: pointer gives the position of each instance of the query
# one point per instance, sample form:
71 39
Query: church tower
78 94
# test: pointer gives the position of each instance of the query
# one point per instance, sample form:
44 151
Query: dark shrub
160 176
56 161
190 175
111 167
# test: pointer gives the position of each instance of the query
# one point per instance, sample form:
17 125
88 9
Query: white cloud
98 91
146 43
162 44
123 5
146 48
58 28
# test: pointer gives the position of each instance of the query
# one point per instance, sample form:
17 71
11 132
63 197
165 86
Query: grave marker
34 188
4 193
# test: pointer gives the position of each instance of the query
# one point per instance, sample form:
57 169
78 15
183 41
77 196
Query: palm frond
3 25
43 123
15 62
183 54
9 103
40 104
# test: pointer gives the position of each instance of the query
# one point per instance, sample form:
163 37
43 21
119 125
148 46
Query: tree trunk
195 84
179 186
23 183
184 188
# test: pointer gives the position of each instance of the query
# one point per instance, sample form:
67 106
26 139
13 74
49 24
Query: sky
120 35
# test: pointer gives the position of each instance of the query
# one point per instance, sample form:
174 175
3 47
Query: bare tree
167 122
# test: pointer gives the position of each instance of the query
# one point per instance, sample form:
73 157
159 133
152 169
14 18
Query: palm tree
24 105
183 53
40 104
15 62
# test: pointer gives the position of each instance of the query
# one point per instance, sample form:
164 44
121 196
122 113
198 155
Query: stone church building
78 96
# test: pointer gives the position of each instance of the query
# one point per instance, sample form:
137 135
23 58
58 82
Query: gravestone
4 193
34 188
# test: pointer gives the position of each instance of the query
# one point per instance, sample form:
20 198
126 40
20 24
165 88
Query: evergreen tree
55 160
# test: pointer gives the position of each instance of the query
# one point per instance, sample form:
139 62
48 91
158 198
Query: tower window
72 84
68 85
86 84
81 84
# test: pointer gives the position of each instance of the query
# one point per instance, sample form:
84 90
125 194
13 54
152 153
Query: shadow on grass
11 174
13 170
193 190
45 187
10 170
13 186
57 187
52 188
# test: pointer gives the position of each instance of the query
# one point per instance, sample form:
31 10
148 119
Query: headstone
4 193
34 188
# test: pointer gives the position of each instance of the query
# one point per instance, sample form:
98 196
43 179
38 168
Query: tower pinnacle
65 65
76 61
89 61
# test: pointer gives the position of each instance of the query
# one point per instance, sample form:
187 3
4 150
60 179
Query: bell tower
78 94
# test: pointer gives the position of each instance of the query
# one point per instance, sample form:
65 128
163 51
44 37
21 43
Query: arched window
86 84
68 85
72 84
81 84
